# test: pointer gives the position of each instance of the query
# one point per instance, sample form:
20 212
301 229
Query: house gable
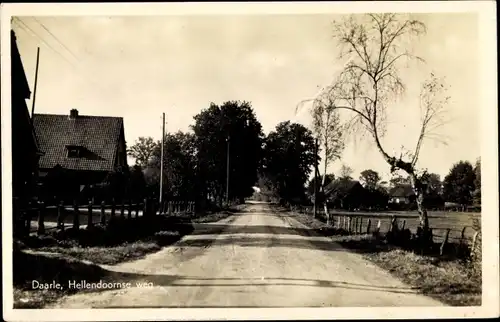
78 142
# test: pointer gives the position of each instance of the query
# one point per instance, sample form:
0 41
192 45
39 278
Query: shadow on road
190 281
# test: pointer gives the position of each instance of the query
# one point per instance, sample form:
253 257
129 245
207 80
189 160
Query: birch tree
375 48
327 128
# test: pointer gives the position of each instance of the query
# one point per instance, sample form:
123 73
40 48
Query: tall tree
370 179
373 47
328 130
230 129
142 150
433 182
322 182
289 158
477 182
459 183
179 166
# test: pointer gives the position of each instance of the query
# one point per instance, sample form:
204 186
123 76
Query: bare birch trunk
420 198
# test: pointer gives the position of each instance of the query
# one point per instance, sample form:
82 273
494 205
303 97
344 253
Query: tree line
373 50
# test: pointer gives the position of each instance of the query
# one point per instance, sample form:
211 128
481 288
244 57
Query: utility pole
36 81
161 158
227 169
315 208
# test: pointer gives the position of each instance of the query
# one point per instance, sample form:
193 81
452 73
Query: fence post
327 217
89 215
377 230
113 206
349 224
122 210
76 215
443 244
403 225
28 217
473 247
462 236
103 213
393 226
360 225
368 224
145 209
41 223
129 214
60 215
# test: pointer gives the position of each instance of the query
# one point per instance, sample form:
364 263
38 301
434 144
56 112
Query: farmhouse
345 194
80 151
401 195
25 147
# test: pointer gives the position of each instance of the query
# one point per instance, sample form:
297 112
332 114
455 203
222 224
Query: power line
25 27
57 39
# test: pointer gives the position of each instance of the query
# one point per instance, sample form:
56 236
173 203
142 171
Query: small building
25 148
401 194
81 151
345 194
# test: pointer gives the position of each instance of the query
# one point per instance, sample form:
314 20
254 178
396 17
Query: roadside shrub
116 231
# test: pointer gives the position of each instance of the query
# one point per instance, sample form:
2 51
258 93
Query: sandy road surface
253 259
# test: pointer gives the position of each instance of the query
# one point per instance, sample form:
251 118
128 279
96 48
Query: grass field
439 221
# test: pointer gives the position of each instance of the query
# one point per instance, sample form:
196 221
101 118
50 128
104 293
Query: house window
73 152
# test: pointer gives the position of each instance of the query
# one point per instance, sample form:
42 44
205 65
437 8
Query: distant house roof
403 190
96 136
343 186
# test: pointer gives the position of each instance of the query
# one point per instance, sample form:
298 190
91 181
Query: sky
139 67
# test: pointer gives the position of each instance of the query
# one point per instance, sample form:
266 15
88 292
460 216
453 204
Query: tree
345 172
324 181
327 128
137 183
398 179
477 182
433 182
459 183
179 165
373 48
142 150
370 179
288 159
230 129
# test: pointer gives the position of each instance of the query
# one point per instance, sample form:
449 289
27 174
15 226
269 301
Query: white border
489 157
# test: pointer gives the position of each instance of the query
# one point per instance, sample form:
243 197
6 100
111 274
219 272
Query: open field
439 221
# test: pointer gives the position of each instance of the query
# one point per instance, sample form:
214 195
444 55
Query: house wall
24 147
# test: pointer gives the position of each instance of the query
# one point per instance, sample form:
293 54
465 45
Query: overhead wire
21 24
54 36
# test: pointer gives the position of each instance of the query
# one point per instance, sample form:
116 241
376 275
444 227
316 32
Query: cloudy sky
138 67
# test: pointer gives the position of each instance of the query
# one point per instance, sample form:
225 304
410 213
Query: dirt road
253 259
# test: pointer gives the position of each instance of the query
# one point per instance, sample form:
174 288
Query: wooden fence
40 218
445 229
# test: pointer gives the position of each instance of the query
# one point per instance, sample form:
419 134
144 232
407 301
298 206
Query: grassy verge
451 281
69 255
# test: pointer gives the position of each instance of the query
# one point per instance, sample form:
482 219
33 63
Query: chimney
73 114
